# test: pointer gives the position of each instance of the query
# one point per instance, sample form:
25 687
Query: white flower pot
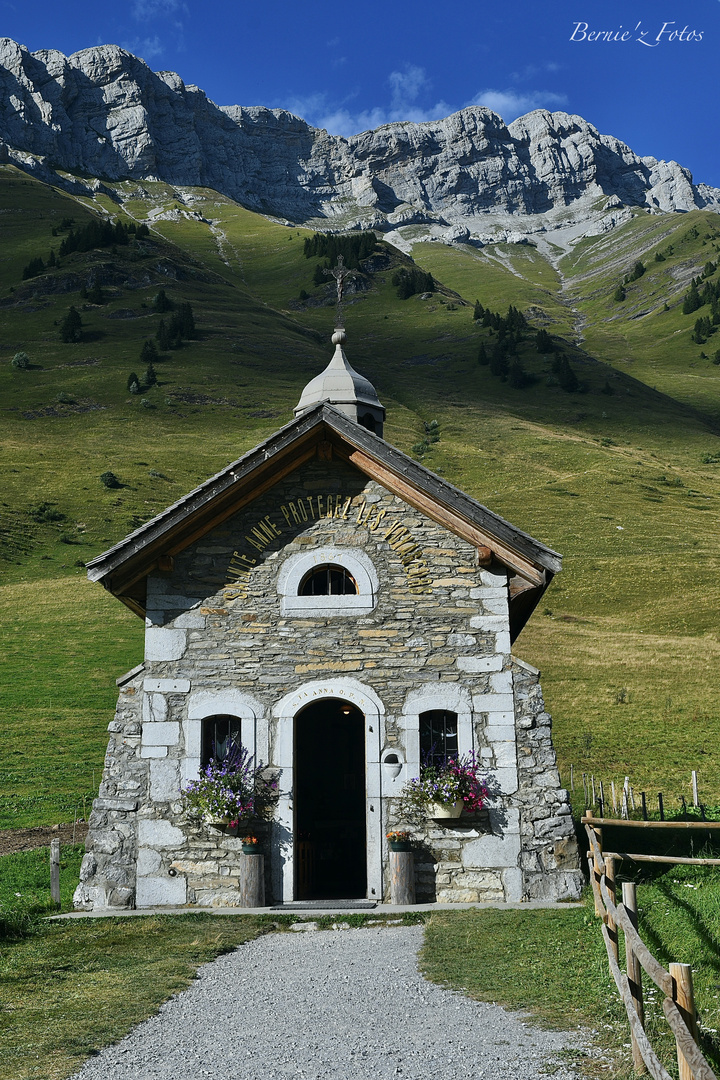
446 810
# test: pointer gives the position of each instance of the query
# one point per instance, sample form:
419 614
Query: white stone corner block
166 686
153 751
513 884
148 861
164 781
164 644
492 851
189 620
501 682
159 833
493 703
499 732
160 892
480 663
162 734
502 642
154 708
507 779
489 623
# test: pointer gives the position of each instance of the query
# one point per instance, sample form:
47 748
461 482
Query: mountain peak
468 177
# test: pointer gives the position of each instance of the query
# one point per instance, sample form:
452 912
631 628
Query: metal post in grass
592 781
55 871
684 998
614 797
634 972
696 801
572 778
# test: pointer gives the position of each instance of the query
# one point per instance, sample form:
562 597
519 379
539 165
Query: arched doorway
329 789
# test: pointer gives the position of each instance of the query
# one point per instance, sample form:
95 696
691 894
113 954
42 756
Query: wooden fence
676 984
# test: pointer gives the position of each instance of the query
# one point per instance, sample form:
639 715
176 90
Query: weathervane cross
340 273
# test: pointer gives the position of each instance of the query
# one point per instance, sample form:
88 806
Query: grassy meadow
622 477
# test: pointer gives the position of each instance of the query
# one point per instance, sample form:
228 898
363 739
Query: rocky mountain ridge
103 113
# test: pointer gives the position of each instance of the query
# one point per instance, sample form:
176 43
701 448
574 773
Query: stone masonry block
164 780
493 703
167 686
479 663
153 751
164 734
160 892
154 707
158 833
501 683
488 622
492 851
163 644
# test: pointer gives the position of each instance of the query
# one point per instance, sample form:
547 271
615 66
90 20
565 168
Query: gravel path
329 1006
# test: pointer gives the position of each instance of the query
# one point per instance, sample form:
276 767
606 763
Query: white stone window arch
355 561
430 697
203 704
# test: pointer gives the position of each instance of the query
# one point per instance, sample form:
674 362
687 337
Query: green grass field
624 483
69 988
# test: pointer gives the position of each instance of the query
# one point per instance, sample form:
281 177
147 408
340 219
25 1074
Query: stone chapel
339 608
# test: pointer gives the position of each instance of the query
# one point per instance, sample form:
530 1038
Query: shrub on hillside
21 361
110 480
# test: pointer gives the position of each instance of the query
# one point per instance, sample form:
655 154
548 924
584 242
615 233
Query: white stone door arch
282 757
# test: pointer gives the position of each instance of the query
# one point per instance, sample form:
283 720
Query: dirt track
12 840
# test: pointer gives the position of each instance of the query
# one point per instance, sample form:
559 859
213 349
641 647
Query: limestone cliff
102 112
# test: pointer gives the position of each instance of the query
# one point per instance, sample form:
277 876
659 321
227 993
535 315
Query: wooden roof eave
123 567
447 505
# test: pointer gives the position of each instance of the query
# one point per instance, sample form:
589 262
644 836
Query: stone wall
222 638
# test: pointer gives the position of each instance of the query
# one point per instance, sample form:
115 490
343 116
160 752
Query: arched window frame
354 560
446 696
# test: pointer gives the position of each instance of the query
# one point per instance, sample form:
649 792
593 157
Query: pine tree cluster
410 282
354 247
99 234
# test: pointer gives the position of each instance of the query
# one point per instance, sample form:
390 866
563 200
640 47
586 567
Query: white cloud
512 103
338 119
146 48
145 10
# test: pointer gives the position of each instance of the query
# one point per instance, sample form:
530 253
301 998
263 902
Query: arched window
438 736
328 580
218 733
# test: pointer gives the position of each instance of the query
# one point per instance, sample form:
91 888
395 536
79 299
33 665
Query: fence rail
676 985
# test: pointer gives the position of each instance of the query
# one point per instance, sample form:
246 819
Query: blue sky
348 67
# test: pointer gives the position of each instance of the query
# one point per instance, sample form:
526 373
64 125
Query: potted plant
232 789
398 840
250 845
445 787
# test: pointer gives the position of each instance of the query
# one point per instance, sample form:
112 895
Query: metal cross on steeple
340 273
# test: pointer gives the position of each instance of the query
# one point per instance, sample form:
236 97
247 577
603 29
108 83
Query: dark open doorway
330 850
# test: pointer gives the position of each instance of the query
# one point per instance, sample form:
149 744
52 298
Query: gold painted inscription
314 508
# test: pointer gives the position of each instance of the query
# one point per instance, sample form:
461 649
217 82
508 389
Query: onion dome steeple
339 384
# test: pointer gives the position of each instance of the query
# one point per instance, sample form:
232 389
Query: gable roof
323 430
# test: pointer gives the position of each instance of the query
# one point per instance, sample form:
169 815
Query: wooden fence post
55 871
634 972
684 998
610 882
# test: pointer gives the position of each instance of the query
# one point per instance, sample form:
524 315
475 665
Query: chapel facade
342 611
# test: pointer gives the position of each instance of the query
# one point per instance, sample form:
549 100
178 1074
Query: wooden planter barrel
252 881
402 877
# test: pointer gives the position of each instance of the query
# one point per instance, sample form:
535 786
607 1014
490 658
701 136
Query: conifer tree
70 328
